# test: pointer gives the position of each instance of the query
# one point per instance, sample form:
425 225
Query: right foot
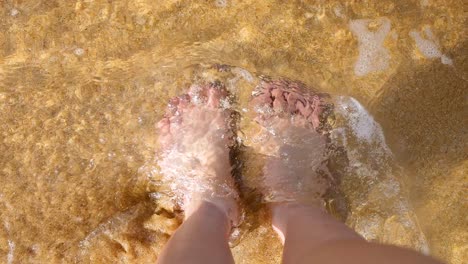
289 137
195 138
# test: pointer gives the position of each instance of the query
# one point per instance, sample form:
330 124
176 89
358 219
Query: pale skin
308 233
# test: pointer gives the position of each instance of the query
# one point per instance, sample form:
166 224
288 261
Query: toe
279 101
164 132
175 107
175 119
314 119
292 98
198 94
172 106
163 125
215 95
317 107
304 108
262 98
184 102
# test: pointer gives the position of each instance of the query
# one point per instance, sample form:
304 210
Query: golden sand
82 84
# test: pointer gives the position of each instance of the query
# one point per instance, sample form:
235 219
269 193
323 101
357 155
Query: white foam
11 251
360 134
371 160
361 122
373 56
428 46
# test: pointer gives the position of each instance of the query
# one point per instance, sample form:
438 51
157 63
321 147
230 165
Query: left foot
195 137
290 139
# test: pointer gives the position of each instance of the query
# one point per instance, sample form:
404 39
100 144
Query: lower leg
202 238
303 228
311 235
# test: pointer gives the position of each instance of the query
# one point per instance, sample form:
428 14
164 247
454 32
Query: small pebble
338 10
14 12
79 52
446 60
140 20
221 3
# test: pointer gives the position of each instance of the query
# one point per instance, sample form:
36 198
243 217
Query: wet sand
82 85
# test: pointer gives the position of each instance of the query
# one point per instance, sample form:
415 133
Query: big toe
215 96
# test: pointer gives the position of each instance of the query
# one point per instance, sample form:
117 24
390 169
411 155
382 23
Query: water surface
82 84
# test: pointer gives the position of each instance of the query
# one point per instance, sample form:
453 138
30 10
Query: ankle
284 214
209 214
226 206
294 220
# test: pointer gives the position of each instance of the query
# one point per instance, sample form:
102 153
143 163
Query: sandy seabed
82 84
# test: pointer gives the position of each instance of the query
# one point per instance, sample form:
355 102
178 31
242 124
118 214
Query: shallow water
82 84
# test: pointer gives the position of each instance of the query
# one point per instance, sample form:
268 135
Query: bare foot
195 138
295 150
